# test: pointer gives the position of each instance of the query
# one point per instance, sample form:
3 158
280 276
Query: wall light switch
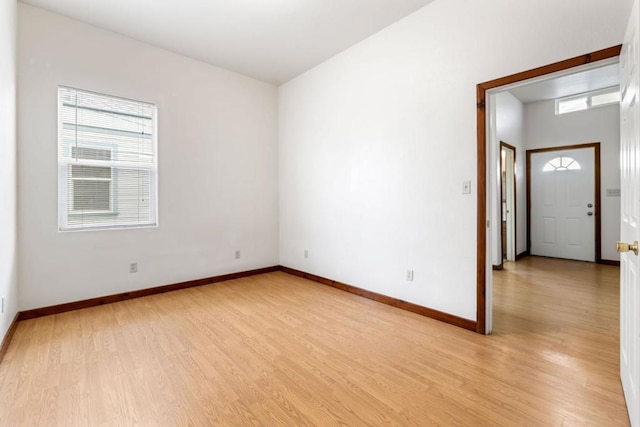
466 187
613 192
409 275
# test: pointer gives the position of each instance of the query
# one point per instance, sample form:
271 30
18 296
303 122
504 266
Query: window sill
93 213
106 227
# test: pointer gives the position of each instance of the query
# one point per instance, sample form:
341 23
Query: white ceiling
573 84
270 40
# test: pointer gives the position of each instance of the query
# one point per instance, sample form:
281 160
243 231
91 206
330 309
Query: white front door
630 211
563 203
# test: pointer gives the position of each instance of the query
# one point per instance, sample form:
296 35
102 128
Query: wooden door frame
597 195
515 199
481 93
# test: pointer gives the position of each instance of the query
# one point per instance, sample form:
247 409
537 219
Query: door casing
512 226
482 152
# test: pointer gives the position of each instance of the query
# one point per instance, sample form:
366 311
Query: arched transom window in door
561 164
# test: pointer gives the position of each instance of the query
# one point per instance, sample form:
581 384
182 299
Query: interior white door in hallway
563 205
630 215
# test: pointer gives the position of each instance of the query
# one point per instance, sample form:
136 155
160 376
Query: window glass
587 101
106 161
571 105
605 98
560 164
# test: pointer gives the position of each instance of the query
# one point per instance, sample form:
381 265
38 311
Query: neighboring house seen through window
106 161
91 185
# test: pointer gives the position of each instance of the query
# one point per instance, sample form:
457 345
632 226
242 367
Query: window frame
550 167
589 96
65 194
71 197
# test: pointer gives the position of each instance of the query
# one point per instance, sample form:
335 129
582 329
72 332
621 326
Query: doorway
563 202
508 217
487 158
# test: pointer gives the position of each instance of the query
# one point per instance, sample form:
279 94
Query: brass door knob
626 247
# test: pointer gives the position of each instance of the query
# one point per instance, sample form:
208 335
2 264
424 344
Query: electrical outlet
409 275
2 305
306 253
133 267
237 254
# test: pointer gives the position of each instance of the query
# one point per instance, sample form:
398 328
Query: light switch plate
466 187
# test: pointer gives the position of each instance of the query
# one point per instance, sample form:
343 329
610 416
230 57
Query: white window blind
107 162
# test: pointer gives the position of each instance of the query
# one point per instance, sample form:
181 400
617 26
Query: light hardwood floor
280 350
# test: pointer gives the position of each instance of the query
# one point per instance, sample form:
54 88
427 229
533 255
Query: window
561 164
564 106
107 162
605 98
587 101
90 185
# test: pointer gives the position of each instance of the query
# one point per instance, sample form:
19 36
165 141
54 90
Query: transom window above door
587 101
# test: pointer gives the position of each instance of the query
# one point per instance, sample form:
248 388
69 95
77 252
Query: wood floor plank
276 349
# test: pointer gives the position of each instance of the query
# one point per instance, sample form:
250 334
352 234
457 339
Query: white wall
543 128
8 249
376 142
510 129
217 149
